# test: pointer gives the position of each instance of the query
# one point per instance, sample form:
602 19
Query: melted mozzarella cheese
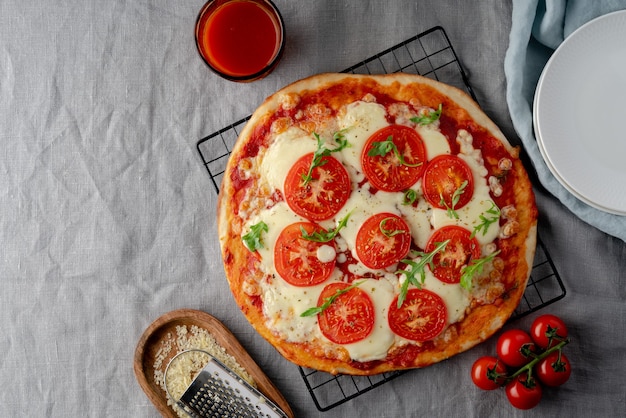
434 141
418 218
377 343
360 121
360 206
282 306
326 253
454 296
286 149
479 204
276 218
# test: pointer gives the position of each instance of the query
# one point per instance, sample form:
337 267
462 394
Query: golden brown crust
338 89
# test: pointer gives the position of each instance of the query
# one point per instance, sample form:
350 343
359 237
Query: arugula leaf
429 118
322 152
387 232
329 300
410 196
456 196
318 236
340 139
253 240
382 148
485 222
417 267
474 267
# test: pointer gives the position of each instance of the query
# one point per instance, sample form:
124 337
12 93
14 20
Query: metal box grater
218 392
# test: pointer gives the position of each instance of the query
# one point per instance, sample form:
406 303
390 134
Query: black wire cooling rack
328 391
429 54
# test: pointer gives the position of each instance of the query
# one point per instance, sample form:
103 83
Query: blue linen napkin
538 28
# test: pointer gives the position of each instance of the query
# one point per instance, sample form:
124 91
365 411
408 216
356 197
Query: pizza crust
482 321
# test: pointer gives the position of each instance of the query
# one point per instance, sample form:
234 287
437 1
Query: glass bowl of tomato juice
240 40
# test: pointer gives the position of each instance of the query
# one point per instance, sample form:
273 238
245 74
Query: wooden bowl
158 331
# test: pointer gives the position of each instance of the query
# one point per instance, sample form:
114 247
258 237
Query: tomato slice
296 258
382 240
461 249
421 317
349 318
443 182
394 171
324 195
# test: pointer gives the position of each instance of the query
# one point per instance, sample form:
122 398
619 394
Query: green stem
529 366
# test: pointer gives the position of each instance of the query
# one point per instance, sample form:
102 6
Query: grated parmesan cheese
182 371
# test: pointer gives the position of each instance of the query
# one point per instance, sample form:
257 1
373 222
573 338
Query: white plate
580 113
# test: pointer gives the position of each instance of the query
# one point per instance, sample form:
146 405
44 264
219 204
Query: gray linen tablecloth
108 215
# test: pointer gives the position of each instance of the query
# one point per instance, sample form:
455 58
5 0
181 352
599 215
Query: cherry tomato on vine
522 394
554 369
486 372
511 347
545 328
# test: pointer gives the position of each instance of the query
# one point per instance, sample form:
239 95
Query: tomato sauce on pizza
375 223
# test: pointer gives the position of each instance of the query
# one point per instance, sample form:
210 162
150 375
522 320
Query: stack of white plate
580 113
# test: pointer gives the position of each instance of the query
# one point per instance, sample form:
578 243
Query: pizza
371 223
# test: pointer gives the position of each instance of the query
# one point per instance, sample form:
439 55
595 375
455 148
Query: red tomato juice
239 38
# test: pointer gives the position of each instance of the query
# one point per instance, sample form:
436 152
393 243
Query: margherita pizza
375 223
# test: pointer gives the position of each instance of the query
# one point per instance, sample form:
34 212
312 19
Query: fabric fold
538 28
